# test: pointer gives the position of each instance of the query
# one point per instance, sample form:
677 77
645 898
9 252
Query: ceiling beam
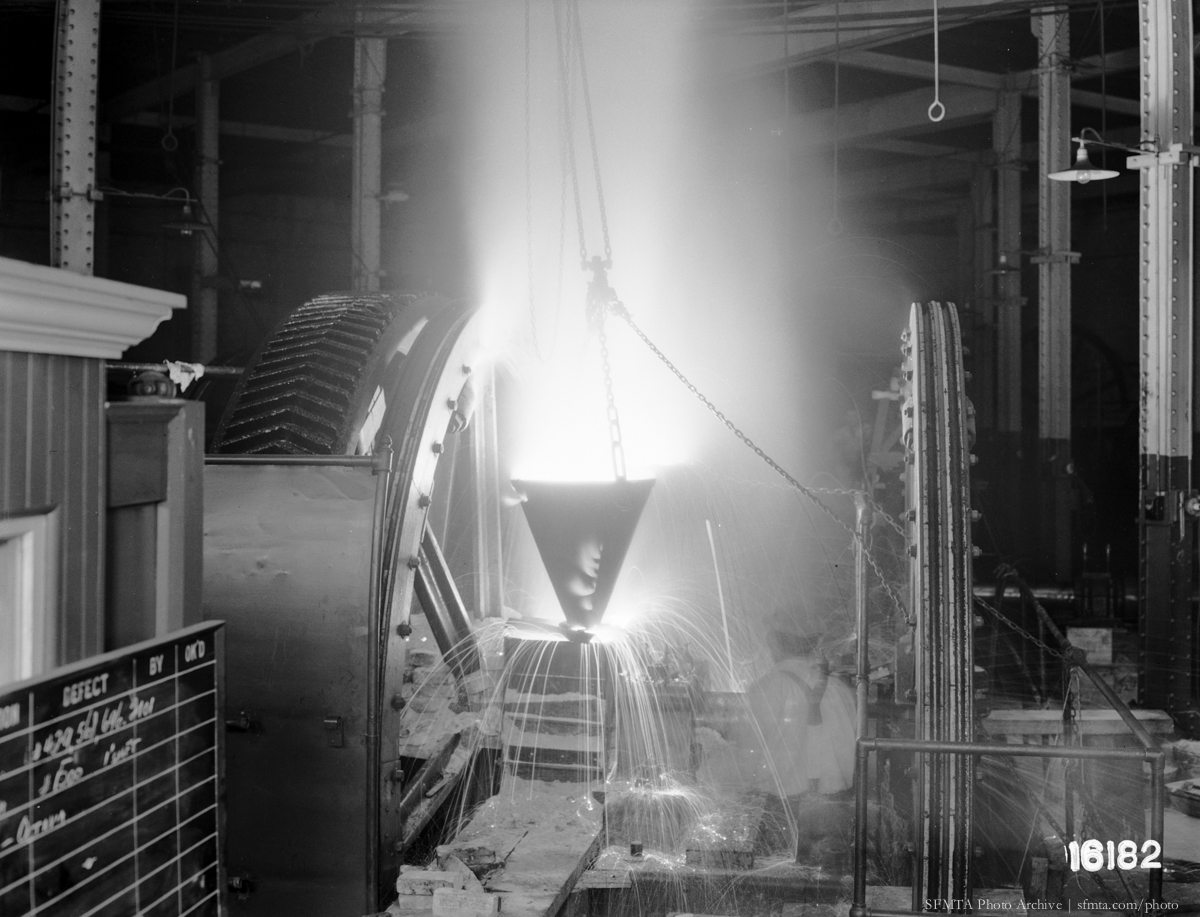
812 37
253 52
967 76
246 129
922 69
911 148
906 177
905 112
900 215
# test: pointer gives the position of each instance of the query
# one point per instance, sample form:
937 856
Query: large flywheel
937 434
354 375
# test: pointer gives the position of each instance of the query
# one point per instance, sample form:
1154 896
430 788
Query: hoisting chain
614 420
563 36
529 184
618 309
587 110
600 295
1012 625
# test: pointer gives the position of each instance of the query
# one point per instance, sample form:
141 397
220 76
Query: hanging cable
1103 119
618 309
836 228
169 141
591 126
600 296
937 110
563 35
529 186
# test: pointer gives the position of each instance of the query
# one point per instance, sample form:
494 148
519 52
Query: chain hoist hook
599 294
600 300
937 111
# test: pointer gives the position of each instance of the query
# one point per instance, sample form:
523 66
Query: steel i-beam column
1166 569
983 343
72 189
489 579
1006 147
206 272
1054 290
370 67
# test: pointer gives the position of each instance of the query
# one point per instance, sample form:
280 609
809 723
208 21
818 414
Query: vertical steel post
1158 765
207 264
370 68
1168 649
983 296
1054 289
862 757
72 188
862 524
1006 146
489 598
382 471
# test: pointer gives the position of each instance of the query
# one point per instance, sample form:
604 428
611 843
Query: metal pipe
862 753
1157 778
447 616
1053 595
230 372
427 776
340 461
865 746
1084 753
382 469
1078 657
862 674
1123 711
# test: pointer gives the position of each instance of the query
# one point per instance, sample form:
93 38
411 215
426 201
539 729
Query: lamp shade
1083 171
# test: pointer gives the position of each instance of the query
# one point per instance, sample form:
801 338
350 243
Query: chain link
563 35
1012 625
870 500
620 311
614 420
529 182
591 126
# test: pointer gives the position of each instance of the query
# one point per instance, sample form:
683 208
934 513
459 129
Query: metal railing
1155 756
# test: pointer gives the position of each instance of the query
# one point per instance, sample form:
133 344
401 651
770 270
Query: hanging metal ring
937 111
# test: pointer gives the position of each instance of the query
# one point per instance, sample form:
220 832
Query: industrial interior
594 458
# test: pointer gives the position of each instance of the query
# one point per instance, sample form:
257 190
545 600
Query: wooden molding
49 310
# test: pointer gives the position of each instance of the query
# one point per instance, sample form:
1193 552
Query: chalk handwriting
88 689
117 753
10 716
28 829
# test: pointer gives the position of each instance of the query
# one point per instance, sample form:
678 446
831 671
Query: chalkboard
110 783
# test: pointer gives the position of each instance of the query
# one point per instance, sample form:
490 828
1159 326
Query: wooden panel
137 464
52 454
155 462
132 575
110 783
287 554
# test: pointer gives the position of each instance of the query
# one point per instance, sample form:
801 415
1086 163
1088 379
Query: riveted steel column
207 271
1054 291
72 189
1006 144
983 342
370 67
1006 148
1168 650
